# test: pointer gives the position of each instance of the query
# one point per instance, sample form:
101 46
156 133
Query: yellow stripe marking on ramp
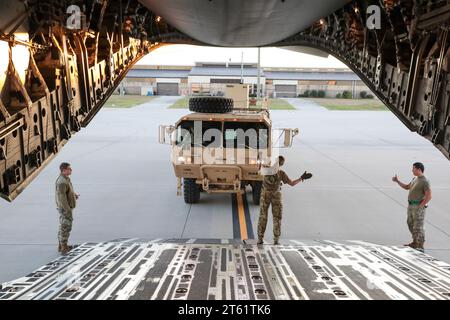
241 214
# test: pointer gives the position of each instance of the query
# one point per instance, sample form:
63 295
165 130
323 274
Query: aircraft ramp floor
234 270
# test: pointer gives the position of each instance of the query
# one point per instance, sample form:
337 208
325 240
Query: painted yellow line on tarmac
241 214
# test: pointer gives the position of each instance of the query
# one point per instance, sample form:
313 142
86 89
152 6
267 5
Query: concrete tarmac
128 188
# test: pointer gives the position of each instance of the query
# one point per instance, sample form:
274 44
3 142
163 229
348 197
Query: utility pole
242 68
258 86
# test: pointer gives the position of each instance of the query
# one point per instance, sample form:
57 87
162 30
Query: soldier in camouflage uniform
65 202
271 194
418 198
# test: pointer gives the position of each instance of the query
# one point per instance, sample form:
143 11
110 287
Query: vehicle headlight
253 161
184 160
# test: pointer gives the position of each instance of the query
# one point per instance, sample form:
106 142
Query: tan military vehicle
218 148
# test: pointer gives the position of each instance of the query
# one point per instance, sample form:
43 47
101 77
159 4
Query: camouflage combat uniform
65 203
416 215
271 194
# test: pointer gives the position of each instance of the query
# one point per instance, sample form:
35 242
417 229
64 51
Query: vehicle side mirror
166 134
289 135
283 138
162 134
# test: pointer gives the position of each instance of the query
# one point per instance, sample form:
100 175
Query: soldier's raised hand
395 179
306 176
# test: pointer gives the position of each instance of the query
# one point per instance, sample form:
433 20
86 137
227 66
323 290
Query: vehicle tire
210 105
191 191
256 192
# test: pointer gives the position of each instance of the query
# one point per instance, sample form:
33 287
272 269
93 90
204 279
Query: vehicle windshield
211 134
249 135
216 134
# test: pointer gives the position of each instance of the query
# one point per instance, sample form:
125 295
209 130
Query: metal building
211 79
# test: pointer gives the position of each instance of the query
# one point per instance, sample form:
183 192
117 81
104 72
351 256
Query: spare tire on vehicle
211 105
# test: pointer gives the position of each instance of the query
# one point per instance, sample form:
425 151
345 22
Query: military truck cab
219 149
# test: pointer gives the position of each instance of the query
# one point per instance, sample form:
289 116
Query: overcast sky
185 55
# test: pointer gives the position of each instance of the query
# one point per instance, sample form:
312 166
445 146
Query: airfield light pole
242 68
258 86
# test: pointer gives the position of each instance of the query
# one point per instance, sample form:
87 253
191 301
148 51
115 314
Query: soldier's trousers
416 217
270 198
65 225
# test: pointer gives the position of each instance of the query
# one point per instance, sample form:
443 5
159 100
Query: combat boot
65 248
419 247
59 247
260 241
276 242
